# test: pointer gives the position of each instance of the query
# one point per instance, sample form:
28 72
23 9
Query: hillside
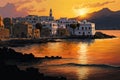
104 19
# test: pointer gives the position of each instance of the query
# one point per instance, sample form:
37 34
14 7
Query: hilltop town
35 27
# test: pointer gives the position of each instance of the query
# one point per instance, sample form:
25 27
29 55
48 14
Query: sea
82 59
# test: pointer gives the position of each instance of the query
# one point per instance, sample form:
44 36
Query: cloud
10 10
42 10
21 7
101 4
92 5
17 2
32 5
34 10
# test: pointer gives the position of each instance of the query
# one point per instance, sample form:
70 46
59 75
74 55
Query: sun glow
82 12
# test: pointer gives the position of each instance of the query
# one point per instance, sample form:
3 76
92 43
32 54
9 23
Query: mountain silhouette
104 19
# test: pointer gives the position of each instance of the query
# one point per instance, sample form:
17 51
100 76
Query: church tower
50 13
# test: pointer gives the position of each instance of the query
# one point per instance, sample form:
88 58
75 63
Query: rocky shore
12 72
98 35
8 54
23 42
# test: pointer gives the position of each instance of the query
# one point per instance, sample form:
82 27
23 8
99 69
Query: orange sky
62 8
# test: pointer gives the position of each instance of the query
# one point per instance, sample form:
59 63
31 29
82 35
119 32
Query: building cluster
4 33
33 26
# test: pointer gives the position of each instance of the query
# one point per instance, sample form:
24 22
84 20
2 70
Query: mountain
104 19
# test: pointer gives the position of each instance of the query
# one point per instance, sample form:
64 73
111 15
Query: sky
61 8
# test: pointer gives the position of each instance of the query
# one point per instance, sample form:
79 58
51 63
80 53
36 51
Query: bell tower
50 13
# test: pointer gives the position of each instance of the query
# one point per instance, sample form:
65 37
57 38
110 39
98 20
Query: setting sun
81 12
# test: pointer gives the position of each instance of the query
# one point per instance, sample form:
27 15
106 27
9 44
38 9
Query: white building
52 26
18 19
85 29
65 21
34 19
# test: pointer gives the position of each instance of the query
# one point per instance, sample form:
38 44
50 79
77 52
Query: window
79 32
82 28
44 25
33 18
83 33
78 28
30 27
89 27
53 24
88 32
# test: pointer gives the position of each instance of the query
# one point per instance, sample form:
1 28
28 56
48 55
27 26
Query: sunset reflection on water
98 51
83 53
83 72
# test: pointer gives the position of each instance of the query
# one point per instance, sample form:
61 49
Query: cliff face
104 19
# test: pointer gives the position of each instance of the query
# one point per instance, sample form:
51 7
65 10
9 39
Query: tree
62 32
73 26
7 22
39 26
78 24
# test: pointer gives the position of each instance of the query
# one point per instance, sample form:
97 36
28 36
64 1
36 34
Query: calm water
78 52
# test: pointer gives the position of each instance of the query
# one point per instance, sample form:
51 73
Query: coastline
23 42
45 73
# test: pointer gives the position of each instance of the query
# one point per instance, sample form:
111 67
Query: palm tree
73 26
